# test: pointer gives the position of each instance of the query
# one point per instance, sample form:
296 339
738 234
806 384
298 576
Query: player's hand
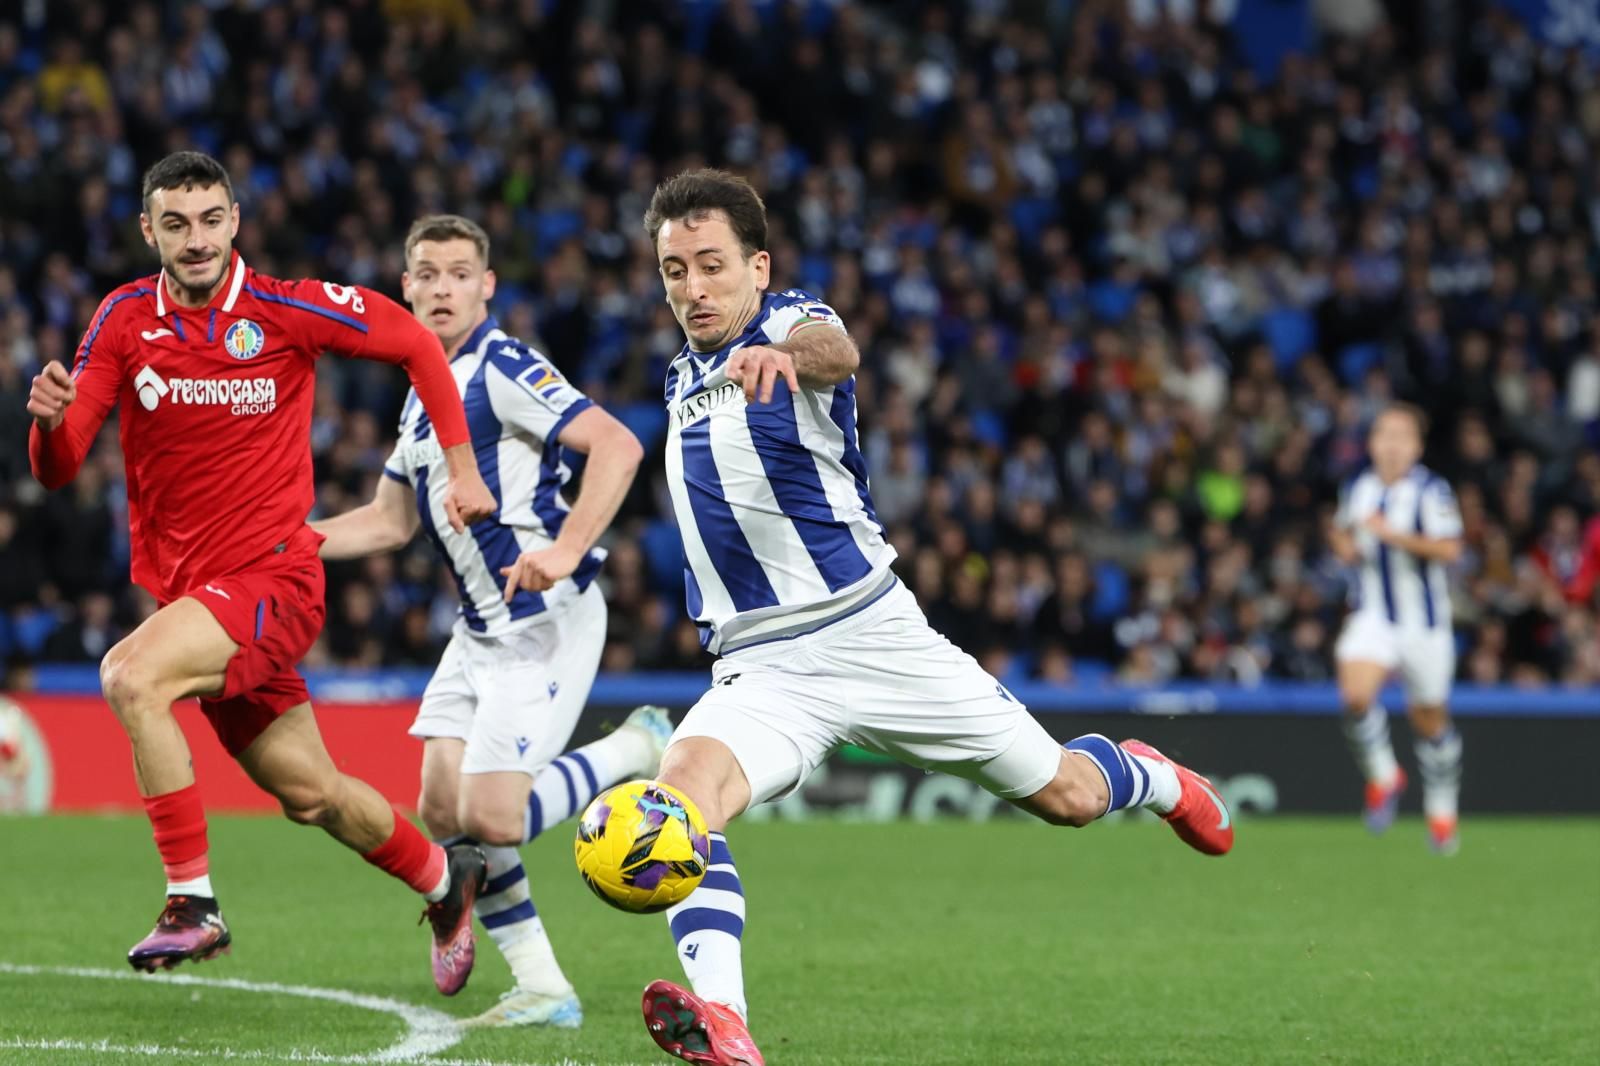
467 499
537 571
53 389
1379 527
758 369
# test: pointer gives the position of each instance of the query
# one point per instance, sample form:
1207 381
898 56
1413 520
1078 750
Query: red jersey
216 411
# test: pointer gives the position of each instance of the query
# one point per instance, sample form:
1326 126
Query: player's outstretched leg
707 1025
542 994
1439 758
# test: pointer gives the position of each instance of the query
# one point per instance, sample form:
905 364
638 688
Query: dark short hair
1418 416
694 194
185 170
447 228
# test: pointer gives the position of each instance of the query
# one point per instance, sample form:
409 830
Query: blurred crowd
1125 305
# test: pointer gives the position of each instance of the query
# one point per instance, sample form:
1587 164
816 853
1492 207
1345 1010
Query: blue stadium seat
647 421
1356 359
1110 592
1291 333
663 556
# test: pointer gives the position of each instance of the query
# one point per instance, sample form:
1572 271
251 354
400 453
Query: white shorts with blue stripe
515 699
1425 656
880 678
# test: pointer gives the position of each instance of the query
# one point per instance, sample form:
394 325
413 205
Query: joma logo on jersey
695 408
242 396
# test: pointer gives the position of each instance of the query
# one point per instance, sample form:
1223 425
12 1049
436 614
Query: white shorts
1426 658
883 679
515 699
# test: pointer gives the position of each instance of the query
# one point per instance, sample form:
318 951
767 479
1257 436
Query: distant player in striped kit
523 656
788 578
1398 520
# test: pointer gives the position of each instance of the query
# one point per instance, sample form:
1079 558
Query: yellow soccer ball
642 847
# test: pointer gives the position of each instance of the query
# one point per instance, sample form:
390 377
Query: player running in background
521 660
788 578
214 366
1399 520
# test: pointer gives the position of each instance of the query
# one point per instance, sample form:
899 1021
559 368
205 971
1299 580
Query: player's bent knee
131 688
439 816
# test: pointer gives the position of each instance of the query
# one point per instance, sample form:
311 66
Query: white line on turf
230 1055
428 1031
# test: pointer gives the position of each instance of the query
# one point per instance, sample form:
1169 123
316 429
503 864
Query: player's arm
387 522
1343 544
69 408
368 325
815 352
614 456
1438 536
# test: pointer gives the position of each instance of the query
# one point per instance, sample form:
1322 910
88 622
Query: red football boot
1200 819
697 1030
1383 802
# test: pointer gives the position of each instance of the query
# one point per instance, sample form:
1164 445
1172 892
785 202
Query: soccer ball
642 847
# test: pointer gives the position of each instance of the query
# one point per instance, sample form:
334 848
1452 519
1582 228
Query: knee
489 824
130 687
438 815
308 803
696 781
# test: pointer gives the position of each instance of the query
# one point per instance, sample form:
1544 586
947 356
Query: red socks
179 823
410 856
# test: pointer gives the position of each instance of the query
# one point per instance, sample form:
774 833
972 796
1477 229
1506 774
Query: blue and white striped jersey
517 404
778 527
1396 585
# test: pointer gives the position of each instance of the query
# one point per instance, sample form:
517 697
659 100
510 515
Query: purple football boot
190 928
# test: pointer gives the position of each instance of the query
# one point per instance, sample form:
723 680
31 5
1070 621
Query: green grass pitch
947 942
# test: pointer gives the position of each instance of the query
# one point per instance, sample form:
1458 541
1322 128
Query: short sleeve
1438 513
529 394
797 311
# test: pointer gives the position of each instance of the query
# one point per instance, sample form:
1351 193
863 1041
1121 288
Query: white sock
1368 735
200 886
437 892
1165 789
508 914
707 928
566 786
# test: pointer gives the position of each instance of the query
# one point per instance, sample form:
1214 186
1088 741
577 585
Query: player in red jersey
214 367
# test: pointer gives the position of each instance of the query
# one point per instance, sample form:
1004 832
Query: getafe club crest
244 339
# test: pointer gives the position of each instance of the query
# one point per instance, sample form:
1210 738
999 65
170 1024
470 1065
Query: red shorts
273 610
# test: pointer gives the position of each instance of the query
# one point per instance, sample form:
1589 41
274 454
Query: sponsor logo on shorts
522 746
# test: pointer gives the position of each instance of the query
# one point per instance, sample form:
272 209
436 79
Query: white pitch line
230 1055
427 1030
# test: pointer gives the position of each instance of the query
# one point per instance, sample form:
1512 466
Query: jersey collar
236 272
475 338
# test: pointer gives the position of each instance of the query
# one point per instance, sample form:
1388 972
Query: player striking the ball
1400 522
520 662
214 366
788 578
